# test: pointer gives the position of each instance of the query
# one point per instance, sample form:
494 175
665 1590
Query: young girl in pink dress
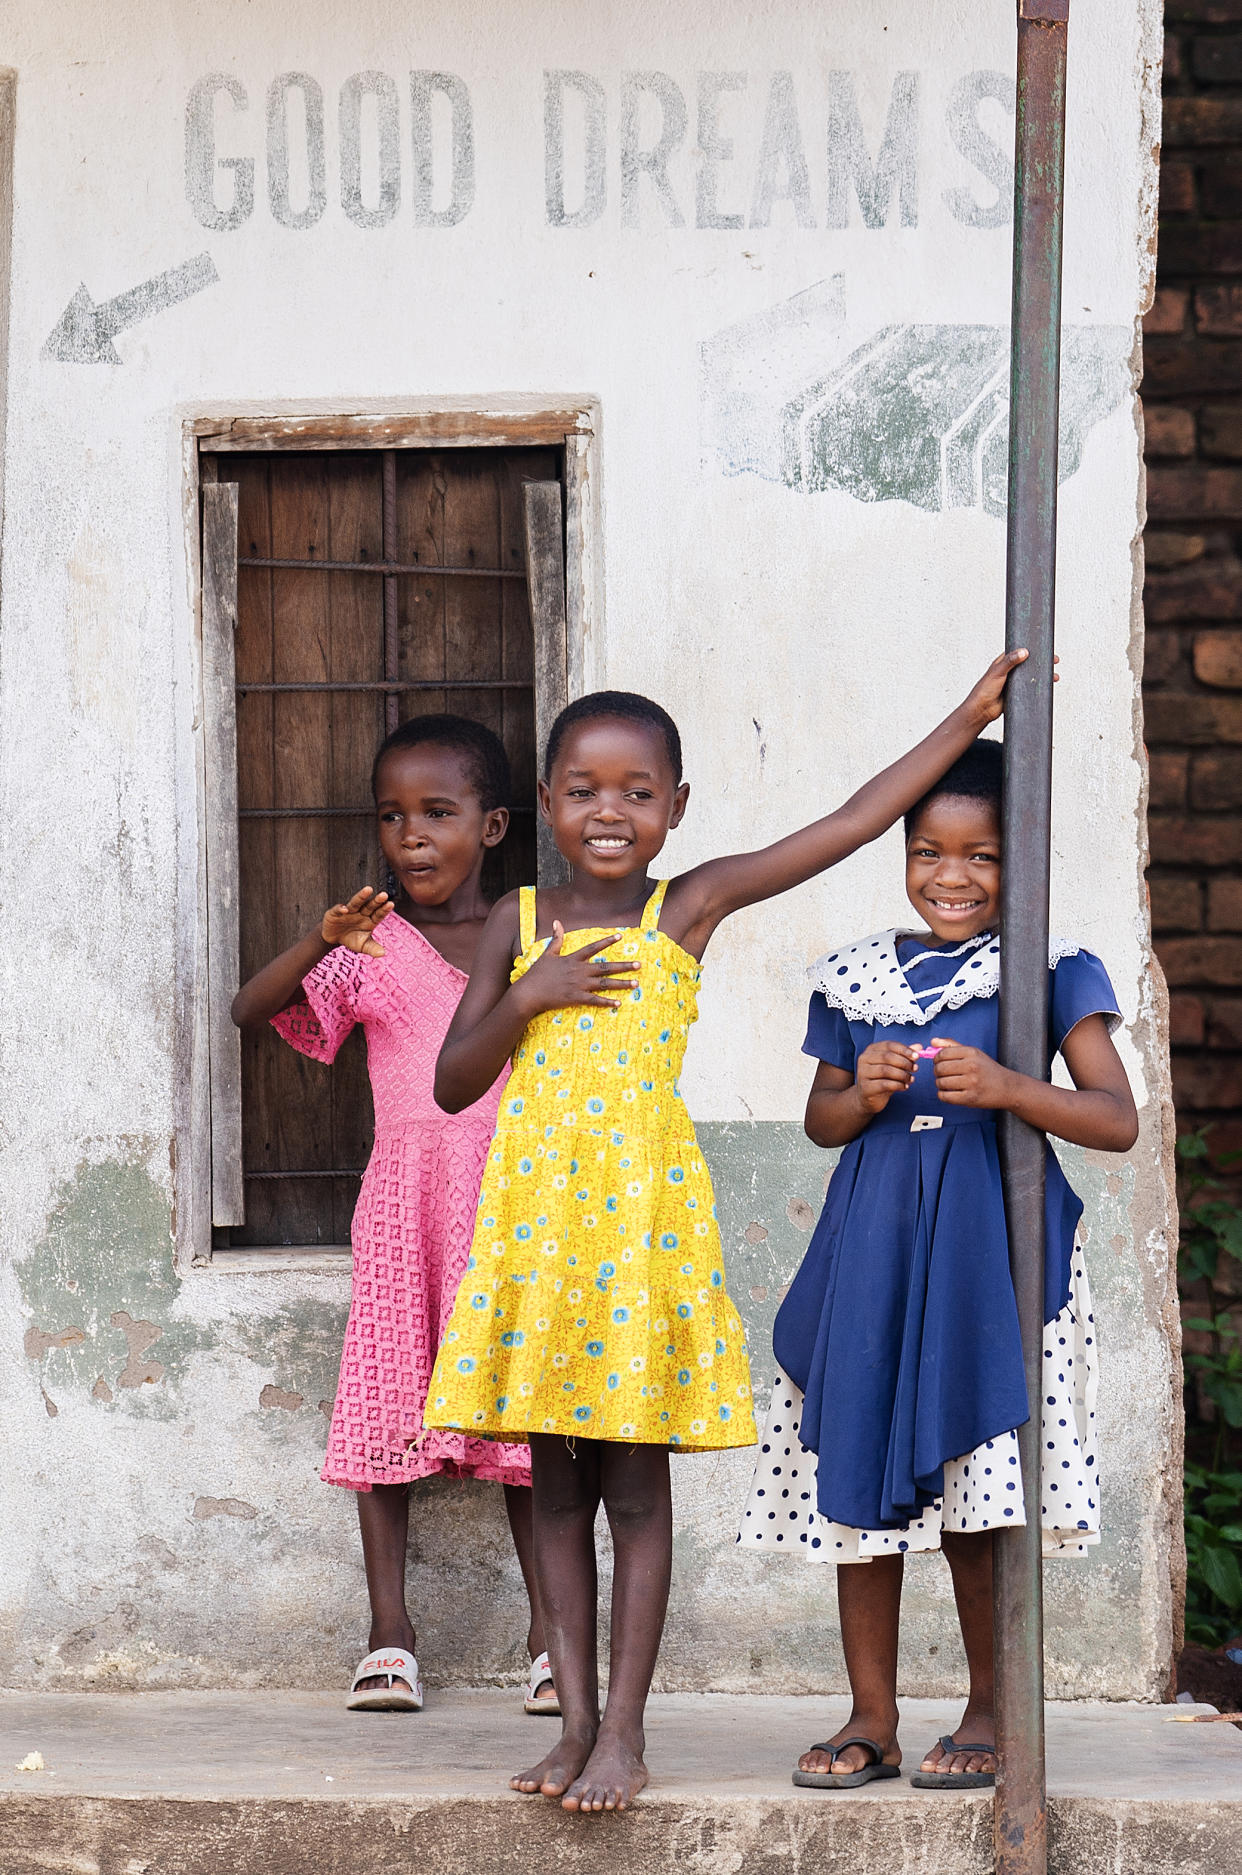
441 784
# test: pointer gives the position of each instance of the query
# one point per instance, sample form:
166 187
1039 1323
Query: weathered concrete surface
183 1785
216 1385
805 615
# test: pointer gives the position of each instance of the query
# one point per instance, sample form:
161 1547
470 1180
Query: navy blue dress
900 1326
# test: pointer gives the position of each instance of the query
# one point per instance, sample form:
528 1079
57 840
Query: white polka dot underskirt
982 1491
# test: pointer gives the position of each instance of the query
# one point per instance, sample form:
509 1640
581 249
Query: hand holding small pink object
884 1069
967 1077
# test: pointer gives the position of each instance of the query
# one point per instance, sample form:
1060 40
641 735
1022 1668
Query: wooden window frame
207 441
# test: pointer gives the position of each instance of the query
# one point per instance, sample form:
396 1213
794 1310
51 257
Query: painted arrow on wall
84 333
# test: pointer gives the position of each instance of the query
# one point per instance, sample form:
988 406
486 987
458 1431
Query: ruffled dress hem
441 1455
982 1489
624 1433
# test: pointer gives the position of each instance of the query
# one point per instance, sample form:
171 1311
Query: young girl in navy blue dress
900 1381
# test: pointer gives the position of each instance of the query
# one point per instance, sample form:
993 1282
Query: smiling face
611 797
953 867
433 829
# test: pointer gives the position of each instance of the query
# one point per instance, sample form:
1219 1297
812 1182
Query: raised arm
493 1012
279 984
701 898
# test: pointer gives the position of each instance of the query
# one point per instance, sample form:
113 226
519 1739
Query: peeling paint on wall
207 1507
106 1259
916 413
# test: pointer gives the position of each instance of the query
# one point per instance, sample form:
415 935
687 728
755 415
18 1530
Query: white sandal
390 1664
541 1675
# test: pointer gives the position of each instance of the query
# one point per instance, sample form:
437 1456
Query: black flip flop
956 1780
847 1780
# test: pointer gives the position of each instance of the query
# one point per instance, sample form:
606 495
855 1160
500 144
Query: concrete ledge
242 1784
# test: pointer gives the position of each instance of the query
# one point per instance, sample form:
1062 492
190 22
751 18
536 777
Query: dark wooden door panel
302 751
310 750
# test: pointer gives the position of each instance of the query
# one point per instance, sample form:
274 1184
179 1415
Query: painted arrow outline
84 333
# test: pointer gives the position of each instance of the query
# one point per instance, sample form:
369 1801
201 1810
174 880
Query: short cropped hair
626 705
481 749
978 775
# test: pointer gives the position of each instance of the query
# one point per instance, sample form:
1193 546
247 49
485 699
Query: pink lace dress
414 1221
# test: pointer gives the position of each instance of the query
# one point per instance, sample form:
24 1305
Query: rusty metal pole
1020 1826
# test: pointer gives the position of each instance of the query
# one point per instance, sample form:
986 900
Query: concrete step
268 1784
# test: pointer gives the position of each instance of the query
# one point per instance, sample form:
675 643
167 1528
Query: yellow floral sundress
594 1301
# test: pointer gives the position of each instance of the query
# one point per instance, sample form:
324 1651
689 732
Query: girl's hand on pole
987 700
884 1069
966 1077
353 924
579 979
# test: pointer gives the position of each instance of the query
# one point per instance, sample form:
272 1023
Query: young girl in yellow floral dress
593 1320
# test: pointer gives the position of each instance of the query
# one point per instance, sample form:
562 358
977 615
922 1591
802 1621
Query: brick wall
1192 685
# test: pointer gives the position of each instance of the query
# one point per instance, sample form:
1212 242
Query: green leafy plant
1213 1555
1211 1240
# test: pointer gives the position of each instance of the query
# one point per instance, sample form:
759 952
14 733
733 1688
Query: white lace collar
866 982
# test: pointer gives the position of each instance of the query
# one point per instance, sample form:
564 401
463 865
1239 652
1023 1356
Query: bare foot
613 1776
553 1775
859 1725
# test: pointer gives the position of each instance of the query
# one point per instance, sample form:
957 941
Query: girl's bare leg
869 1601
384 1519
521 1528
970 1560
565 1492
638 1503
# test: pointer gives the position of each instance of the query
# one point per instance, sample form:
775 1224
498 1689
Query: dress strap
651 910
526 916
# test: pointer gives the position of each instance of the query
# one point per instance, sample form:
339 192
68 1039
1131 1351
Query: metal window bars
391 568
392 686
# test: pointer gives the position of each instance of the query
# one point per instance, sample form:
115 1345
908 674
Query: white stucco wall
800 553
